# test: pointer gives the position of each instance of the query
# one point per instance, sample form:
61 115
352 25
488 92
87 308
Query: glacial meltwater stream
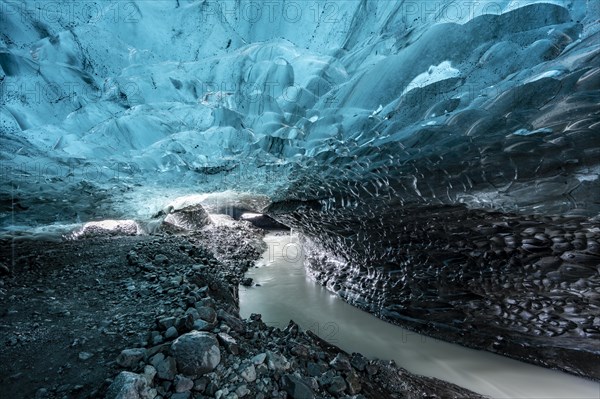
287 292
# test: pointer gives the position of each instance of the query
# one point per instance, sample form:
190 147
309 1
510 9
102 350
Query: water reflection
286 292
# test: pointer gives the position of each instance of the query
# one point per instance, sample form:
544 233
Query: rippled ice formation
446 152
109 105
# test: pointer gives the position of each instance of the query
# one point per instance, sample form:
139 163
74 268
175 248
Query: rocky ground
156 316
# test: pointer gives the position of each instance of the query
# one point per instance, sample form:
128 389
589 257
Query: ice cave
299 199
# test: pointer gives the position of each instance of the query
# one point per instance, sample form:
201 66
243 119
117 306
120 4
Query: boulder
128 386
196 353
130 358
189 218
296 388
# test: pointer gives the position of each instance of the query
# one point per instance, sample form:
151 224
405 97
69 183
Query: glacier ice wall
108 104
445 153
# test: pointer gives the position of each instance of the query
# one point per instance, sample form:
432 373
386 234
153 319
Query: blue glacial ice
490 104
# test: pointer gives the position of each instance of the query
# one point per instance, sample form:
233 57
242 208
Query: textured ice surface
446 152
108 107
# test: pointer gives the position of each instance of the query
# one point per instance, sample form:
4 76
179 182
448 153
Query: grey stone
202 325
326 378
358 361
196 353
201 383
132 258
314 369
185 323
248 372
129 358
337 385
156 338
296 388
372 369
211 389
166 322
247 282
128 386
85 356
207 314
183 384
161 259
171 333
354 385
242 391
229 343
149 373
259 359
277 361
234 322
194 312
166 368
341 363
262 369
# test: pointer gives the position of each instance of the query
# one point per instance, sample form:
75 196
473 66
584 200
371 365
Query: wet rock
207 314
295 387
201 383
193 311
277 361
182 395
313 369
229 343
248 372
183 384
259 359
202 325
185 323
128 386
232 321
300 351
247 282
354 385
211 389
130 358
171 333
133 258
358 361
372 368
242 391
262 369
166 322
85 356
196 353
341 363
166 367
337 385
161 260
149 373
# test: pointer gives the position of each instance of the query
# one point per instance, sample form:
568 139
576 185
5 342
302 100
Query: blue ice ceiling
114 108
